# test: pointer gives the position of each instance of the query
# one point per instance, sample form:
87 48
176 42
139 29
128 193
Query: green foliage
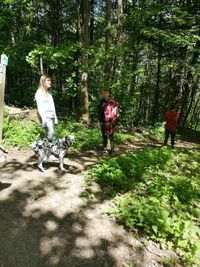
130 168
50 30
23 132
161 196
20 132
121 137
85 138
54 56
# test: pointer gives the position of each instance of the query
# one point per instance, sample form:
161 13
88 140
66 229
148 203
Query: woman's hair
42 81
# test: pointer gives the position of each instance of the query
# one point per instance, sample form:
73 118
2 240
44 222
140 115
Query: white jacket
46 107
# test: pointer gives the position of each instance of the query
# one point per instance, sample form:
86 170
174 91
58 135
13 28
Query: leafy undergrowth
157 192
22 132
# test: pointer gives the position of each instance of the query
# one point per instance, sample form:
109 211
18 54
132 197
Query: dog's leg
40 163
61 161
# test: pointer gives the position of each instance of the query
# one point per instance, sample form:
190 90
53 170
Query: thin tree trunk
184 102
190 104
92 22
107 70
41 65
83 12
195 111
156 94
119 21
116 68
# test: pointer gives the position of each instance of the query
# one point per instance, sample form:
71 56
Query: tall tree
83 16
108 8
147 61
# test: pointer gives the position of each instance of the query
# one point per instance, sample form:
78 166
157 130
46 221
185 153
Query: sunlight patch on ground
50 198
47 244
51 226
84 252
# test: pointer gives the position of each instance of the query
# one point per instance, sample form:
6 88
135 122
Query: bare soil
45 220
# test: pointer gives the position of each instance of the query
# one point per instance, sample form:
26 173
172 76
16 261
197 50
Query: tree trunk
41 65
184 99
92 22
195 112
119 21
83 13
107 70
156 94
191 99
116 68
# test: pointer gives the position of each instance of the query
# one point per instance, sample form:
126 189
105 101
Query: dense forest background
145 51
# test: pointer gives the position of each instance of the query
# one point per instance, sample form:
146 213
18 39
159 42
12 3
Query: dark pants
172 135
106 137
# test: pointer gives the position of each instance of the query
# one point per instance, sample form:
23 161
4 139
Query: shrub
157 196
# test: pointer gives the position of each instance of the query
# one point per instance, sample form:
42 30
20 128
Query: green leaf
155 228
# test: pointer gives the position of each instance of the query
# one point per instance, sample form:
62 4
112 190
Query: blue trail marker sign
4 59
3 64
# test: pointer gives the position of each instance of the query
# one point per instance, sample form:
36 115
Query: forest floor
45 221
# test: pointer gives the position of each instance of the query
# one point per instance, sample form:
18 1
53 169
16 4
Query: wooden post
4 63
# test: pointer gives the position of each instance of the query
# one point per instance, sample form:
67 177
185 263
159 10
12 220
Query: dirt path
45 220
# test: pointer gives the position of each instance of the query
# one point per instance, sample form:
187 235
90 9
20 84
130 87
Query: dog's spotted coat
45 148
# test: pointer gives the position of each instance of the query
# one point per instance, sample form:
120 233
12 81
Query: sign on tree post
3 64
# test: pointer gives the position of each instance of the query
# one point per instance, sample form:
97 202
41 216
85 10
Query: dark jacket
102 104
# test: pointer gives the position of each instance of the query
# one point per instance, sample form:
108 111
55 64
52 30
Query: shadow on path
44 222
4 185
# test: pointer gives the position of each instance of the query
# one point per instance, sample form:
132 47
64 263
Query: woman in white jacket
46 107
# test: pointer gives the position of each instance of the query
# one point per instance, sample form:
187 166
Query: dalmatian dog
57 147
